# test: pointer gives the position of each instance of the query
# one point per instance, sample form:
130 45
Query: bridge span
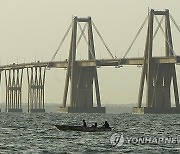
94 63
158 73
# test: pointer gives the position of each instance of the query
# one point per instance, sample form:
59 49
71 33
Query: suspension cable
165 36
63 39
135 37
175 23
97 31
86 40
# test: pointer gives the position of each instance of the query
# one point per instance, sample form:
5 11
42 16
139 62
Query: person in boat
106 125
84 123
95 125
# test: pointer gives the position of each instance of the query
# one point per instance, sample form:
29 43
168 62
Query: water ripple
35 133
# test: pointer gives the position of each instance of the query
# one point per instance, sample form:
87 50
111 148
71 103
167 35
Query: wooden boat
81 128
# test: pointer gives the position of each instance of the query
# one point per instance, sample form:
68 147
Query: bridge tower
36 82
158 76
13 78
81 78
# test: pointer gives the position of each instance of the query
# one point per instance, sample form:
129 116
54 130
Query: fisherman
106 125
95 125
84 123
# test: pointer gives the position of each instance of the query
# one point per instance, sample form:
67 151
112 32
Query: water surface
35 133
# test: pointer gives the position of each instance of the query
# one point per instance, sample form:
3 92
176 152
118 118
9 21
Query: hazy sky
32 30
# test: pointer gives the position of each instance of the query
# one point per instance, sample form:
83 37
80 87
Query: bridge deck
92 63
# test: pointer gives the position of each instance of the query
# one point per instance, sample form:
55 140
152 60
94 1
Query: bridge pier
13 78
158 76
81 78
36 81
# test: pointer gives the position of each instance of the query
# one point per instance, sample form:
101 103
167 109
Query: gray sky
32 30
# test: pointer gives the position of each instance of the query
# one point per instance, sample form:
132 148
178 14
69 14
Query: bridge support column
36 81
158 76
81 78
13 79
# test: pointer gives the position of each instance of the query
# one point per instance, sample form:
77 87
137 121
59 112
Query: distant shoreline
54 108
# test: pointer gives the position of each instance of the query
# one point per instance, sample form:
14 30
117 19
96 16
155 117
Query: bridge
158 72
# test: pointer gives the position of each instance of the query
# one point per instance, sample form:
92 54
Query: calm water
35 133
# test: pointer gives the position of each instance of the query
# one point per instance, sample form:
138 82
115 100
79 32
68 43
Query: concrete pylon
13 78
81 79
36 82
158 76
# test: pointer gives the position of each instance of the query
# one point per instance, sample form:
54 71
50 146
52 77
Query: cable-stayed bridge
157 72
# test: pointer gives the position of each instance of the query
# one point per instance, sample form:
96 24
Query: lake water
35 133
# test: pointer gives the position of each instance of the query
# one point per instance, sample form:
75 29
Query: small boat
81 128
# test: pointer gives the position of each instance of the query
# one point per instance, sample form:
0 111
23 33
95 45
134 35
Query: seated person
84 123
106 125
95 125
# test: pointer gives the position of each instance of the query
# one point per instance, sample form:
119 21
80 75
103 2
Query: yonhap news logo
118 140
